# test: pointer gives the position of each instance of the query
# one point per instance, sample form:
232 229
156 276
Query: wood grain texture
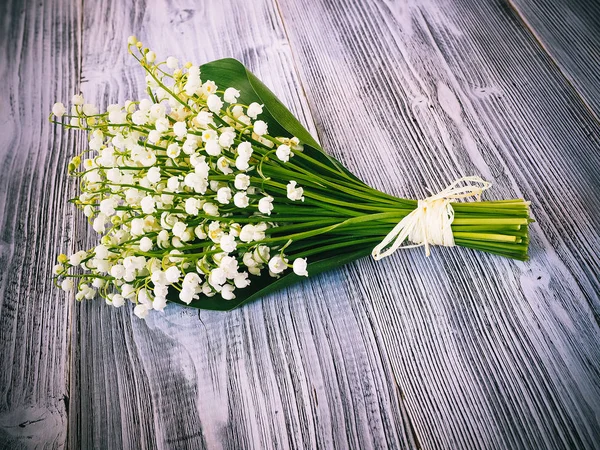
489 353
470 350
38 61
570 32
301 369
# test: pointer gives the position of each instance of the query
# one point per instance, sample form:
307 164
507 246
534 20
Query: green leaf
229 72
280 113
266 284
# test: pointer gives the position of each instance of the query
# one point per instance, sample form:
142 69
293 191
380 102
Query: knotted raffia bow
430 223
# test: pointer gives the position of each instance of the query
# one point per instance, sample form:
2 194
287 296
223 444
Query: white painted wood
570 32
38 61
489 353
301 369
484 352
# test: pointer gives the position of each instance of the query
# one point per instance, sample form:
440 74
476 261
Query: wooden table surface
462 350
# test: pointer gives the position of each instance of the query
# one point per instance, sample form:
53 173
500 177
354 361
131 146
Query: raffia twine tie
430 223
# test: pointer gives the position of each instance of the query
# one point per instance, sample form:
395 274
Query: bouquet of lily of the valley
210 193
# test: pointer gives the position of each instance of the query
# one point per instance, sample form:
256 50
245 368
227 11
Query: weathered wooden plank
489 353
301 369
38 61
570 33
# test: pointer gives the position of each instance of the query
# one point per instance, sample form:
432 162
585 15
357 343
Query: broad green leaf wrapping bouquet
209 193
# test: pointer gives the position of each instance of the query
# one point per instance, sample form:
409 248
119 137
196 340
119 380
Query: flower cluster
194 197
174 185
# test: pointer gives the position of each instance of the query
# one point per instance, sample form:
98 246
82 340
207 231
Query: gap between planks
296 71
69 373
511 4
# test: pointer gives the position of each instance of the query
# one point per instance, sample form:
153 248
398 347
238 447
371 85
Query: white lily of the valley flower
188 295
213 148
293 192
173 151
162 125
204 119
160 290
209 87
172 63
245 150
247 233
58 109
210 209
154 174
173 184
228 243
217 278
67 284
227 292
139 118
242 163
89 109
190 145
242 181
77 257
178 229
230 266
99 224
180 129
117 271
192 206
156 110
191 281
209 135
214 103
172 275
260 128
231 95
241 200
223 165
118 300
237 111
141 311
248 260
224 195
137 226
299 267
154 136
226 139
283 153
159 303
77 100
277 264
148 204
241 280
146 244
259 231
265 205
254 110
